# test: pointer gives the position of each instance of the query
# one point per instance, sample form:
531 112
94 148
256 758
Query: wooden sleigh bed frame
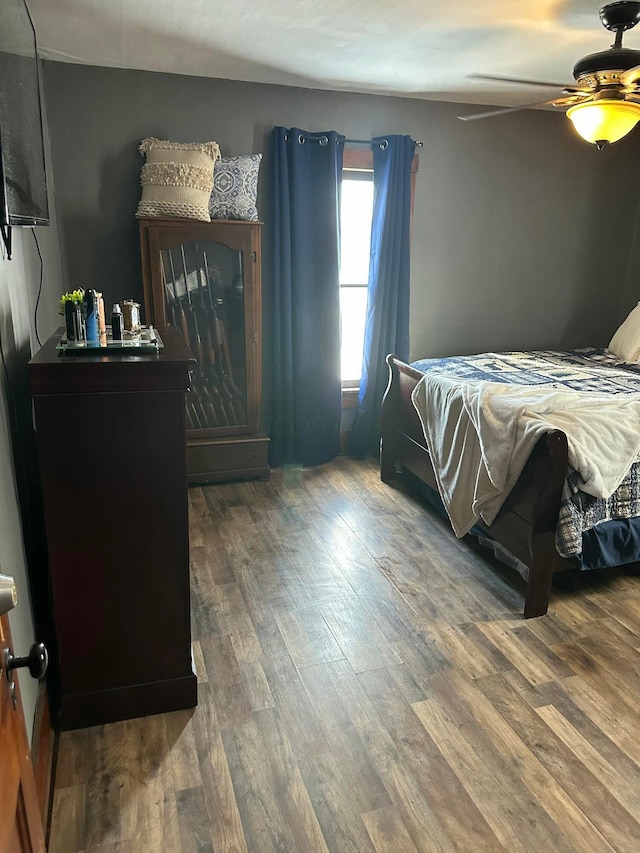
526 524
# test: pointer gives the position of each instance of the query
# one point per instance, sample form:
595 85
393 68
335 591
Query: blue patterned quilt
588 369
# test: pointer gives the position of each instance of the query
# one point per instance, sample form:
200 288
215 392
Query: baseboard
124 703
43 747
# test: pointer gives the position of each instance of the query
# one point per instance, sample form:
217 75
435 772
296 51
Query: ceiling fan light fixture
604 121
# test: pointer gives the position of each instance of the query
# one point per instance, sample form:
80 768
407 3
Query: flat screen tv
23 185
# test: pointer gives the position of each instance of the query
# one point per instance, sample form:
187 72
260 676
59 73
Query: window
355 241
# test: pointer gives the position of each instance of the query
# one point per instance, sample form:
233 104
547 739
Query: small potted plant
71 308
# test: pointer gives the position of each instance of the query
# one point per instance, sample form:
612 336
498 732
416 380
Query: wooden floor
367 683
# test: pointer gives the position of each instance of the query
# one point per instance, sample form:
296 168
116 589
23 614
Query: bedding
483 428
586 369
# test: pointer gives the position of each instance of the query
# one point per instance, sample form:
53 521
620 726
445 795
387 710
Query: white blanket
480 435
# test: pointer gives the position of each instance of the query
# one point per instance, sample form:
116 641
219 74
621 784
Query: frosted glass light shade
604 121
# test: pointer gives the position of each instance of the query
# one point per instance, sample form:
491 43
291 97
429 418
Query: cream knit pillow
177 178
625 344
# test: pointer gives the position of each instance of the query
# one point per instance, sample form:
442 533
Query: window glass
355 243
353 309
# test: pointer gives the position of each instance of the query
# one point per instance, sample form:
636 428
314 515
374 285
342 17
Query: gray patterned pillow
235 186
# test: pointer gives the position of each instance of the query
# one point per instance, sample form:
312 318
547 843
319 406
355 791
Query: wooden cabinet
204 278
110 433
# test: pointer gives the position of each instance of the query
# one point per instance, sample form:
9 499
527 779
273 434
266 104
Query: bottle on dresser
117 323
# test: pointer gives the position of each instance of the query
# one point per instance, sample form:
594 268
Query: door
20 821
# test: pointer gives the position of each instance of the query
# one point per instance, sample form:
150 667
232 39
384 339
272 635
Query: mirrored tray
147 339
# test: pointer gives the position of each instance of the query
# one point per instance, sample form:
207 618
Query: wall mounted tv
23 185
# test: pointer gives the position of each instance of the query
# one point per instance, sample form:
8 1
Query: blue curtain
306 405
387 322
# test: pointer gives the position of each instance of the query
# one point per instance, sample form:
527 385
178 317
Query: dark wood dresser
111 441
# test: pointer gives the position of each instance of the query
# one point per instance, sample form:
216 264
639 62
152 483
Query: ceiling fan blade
503 110
631 76
495 78
570 100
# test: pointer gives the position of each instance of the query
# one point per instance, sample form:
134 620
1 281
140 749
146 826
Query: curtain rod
417 142
323 140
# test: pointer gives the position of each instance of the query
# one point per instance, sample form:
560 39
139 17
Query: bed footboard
526 524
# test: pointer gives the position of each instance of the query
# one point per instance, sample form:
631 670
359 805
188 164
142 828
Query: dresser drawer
216 460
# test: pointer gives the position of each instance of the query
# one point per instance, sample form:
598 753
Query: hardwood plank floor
367 683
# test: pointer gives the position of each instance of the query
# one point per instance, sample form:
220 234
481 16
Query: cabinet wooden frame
205 445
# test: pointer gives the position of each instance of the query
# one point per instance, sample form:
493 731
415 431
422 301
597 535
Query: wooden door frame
26 826
44 748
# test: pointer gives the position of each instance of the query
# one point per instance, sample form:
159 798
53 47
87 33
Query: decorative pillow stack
177 178
235 187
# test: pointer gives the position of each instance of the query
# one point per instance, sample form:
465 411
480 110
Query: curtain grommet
324 140
301 139
384 144
287 137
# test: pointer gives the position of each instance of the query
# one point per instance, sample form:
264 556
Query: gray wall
19 281
19 287
14 330
522 234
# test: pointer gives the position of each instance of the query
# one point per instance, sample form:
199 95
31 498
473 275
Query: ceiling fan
604 103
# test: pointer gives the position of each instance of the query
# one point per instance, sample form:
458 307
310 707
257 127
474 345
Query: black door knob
37 660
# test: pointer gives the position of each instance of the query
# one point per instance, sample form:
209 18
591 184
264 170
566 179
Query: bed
545 509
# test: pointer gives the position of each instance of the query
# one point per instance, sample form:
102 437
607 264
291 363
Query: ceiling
411 48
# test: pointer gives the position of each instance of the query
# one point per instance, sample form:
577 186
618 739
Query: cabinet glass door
203 288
